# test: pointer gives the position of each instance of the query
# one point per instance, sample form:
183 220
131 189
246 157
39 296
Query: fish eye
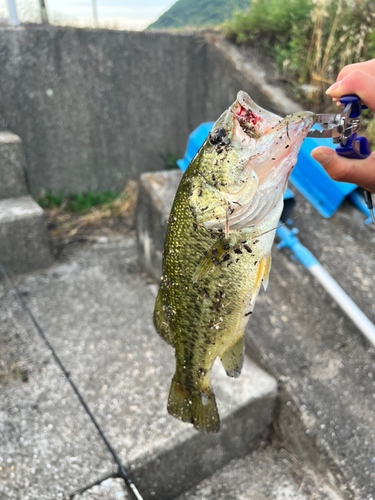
217 135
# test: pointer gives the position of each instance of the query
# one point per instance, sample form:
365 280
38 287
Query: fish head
256 151
270 143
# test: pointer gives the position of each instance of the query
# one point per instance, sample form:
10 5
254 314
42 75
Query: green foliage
268 21
76 202
79 202
198 13
311 40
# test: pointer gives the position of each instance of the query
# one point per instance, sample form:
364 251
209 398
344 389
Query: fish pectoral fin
160 321
198 408
233 358
216 255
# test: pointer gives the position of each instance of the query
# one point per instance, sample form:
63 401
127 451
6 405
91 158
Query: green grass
76 202
310 40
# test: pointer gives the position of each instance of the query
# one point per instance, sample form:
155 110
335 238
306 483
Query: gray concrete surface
12 166
110 489
156 194
324 366
96 107
265 474
97 311
24 243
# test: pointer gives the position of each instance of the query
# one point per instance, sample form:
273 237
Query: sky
127 14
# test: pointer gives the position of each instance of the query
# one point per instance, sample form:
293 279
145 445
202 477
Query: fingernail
322 157
332 87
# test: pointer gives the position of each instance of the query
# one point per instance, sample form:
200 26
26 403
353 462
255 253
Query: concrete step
325 368
265 474
24 243
12 166
97 312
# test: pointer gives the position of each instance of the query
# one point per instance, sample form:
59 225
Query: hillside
198 13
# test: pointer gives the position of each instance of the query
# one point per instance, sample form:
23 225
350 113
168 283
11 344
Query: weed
75 202
81 214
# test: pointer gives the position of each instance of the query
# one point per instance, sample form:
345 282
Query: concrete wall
96 107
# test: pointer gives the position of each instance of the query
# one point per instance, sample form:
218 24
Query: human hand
356 79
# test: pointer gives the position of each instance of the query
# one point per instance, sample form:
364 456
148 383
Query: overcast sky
130 14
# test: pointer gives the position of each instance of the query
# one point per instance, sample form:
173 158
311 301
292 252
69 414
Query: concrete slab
110 489
12 166
97 311
24 243
324 365
264 474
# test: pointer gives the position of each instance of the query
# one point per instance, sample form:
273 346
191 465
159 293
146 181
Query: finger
359 172
367 67
357 82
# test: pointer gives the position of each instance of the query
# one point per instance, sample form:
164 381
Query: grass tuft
76 202
90 213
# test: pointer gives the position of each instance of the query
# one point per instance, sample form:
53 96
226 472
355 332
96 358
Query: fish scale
215 256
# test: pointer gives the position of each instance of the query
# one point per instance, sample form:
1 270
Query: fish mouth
253 122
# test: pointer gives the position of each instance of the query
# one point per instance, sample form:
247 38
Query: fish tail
198 408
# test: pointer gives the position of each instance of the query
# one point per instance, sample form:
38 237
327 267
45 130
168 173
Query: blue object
288 239
357 106
357 148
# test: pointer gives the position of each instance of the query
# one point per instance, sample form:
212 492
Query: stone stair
24 244
265 474
244 478
97 312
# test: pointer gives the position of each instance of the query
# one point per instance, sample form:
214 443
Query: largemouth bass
218 248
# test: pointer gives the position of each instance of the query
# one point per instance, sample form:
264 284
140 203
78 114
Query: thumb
360 172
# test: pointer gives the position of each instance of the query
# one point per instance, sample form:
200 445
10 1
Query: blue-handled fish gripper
356 147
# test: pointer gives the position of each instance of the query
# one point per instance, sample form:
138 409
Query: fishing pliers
341 127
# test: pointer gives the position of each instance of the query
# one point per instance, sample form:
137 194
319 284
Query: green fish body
218 248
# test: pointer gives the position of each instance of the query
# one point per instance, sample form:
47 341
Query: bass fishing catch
218 248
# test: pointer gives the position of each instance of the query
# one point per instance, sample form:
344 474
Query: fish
217 250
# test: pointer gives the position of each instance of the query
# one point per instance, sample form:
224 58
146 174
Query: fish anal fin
258 279
198 408
267 268
160 321
233 358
